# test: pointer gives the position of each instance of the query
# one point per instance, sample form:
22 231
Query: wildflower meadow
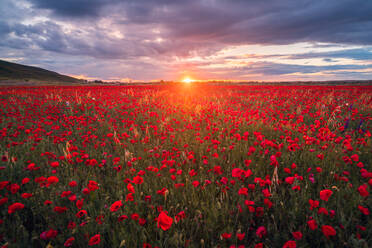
186 165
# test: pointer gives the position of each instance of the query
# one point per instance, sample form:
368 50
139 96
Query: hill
12 73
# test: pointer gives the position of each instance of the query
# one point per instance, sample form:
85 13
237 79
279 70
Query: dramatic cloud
73 8
356 54
169 38
271 21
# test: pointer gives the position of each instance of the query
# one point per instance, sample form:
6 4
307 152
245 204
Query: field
185 166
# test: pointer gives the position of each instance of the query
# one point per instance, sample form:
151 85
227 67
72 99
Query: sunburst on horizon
188 80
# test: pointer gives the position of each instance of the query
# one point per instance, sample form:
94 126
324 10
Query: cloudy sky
203 39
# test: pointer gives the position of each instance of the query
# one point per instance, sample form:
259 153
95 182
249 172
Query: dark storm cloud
263 22
233 21
73 8
45 35
49 36
203 26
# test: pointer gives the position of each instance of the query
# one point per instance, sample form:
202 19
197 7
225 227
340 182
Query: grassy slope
11 72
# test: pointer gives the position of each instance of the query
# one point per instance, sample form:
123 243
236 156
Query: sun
188 80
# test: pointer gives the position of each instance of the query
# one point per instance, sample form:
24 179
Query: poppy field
185 166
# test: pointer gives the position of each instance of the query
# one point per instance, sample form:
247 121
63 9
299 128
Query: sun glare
187 80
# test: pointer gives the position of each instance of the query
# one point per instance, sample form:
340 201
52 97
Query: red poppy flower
14 188
289 180
297 235
162 191
266 193
3 200
25 180
164 221
236 172
355 157
226 235
60 209
52 180
81 213
50 234
54 164
115 206
72 184
14 207
243 191
134 216
100 219
122 217
181 215
92 185
69 242
142 221
261 231
3 184
312 224
72 197
95 240
65 193
79 203
130 188
325 194
137 180
240 236
362 189
129 197
323 211
328 231
85 191
290 244
320 156
71 225
363 210
26 195
268 203
195 184
313 204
